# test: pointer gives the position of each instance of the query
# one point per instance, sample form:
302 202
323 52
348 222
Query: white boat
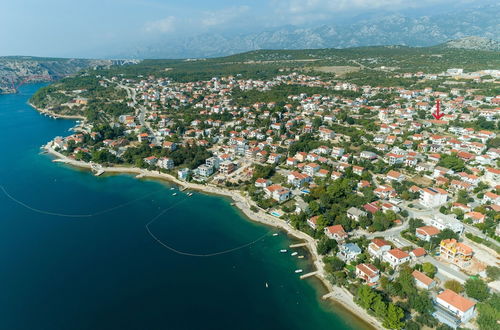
283 251
298 270
294 253
275 234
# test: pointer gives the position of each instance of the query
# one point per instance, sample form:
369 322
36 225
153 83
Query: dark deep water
105 272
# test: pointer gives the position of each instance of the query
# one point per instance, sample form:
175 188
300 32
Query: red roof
336 229
398 254
421 277
379 242
428 230
456 300
418 252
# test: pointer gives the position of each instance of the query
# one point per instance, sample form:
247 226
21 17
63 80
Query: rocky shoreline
56 115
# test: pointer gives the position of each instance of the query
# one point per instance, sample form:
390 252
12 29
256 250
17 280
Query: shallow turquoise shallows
106 272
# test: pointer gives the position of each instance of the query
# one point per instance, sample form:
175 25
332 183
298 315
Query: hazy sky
99 28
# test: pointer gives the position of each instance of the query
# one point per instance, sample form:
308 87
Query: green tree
421 302
393 317
489 313
333 264
454 285
325 245
379 307
365 296
493 272
477 289
405 279
429 269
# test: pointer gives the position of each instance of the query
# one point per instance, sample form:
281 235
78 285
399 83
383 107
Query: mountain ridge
389 29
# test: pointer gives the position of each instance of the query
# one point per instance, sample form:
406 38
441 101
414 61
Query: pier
298 245
328 295
309 275
96 169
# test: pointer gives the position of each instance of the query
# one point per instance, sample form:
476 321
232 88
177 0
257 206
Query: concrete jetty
308 275
298 245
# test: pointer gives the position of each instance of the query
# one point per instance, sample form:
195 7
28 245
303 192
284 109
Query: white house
425 233
151 160
262 183
336 232
298 179
378 247
348 252
396 257
166 163
433 197
355 213
313 222
453 309
213 162
442 221
337 152
204 170
492 176
367 272
277 192
423 281
183 173
311 168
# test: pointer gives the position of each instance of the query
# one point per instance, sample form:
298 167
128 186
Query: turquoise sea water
106 272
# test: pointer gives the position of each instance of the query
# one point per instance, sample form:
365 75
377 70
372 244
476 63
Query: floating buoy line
148 229
56 214
189 254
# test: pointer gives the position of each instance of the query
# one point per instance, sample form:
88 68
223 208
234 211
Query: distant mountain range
394 29
17 69
477 43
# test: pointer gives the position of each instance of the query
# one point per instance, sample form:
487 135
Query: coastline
56 115
338 295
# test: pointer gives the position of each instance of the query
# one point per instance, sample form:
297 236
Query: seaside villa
453 309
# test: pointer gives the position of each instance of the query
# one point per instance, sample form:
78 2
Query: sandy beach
338 294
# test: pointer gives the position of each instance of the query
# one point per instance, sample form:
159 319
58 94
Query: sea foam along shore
339 295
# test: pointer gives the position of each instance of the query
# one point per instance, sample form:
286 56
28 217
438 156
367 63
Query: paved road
140 110
445 271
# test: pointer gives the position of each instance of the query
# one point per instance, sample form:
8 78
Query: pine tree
393 318
365 296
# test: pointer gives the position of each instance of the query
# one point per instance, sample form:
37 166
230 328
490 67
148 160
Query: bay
106 272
